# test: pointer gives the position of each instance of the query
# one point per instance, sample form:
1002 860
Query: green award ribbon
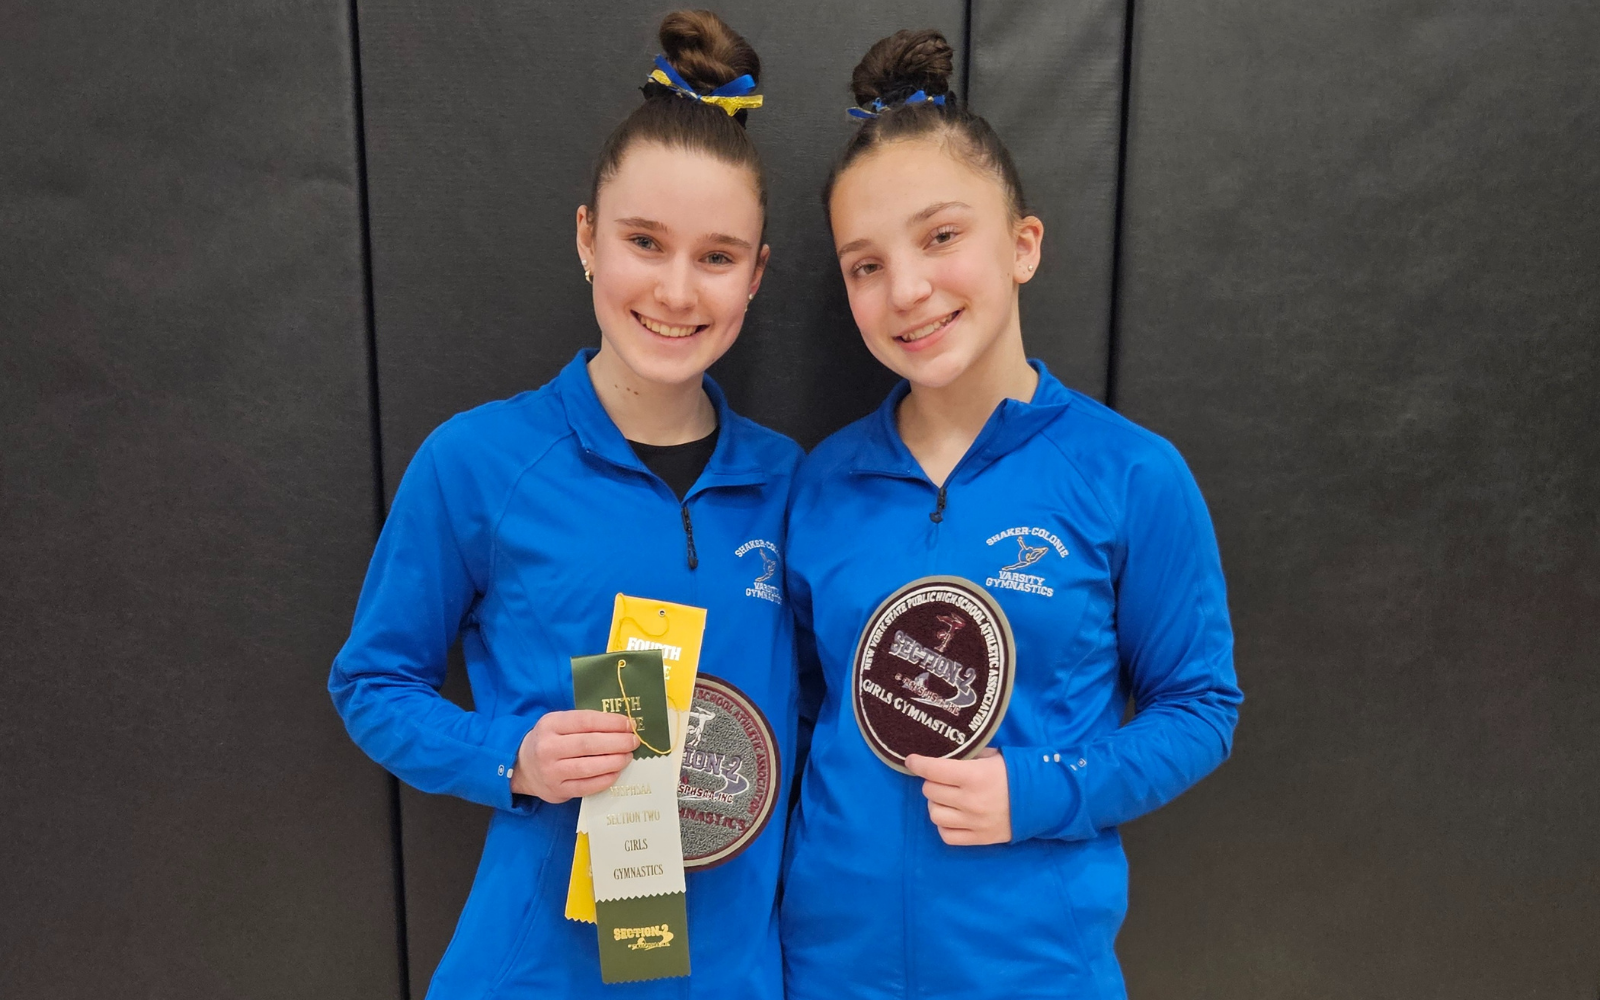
635 848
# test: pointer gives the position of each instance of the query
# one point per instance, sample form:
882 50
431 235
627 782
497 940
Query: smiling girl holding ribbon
1001 875
518 522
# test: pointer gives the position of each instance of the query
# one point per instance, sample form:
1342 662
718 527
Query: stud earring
752 297
588 275
1030 268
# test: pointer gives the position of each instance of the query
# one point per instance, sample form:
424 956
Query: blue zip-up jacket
1091 534
515 526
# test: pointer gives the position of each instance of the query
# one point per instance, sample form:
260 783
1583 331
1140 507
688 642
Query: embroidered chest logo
1033 544
766 585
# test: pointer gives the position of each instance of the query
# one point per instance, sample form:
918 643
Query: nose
908 287
675 286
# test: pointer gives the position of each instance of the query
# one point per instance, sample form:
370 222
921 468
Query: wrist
1044 790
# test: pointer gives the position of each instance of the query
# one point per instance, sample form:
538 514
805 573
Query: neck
947 419
650 412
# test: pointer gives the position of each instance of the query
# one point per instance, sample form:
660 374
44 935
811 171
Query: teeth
923 331
665 330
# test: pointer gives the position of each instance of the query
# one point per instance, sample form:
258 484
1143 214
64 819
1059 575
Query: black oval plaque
933 671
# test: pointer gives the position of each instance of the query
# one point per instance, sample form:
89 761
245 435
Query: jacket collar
1010 426
733 462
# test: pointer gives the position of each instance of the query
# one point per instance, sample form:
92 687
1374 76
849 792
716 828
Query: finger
592 744
964 838
987 752
948 795
581 768
949 818
585 720
586 786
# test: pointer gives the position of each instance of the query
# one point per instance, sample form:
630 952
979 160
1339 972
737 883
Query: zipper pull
938 512
688 534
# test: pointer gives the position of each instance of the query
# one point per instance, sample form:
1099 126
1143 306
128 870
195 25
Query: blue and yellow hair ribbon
877 107
733 97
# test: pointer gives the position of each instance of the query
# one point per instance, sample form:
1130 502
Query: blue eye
642 242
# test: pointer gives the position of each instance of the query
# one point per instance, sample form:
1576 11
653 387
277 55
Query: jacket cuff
499 759
1044 790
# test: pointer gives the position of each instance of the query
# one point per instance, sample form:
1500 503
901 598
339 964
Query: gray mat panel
1361 297
1048 77
187 508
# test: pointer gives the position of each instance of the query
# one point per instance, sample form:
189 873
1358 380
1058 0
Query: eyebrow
936 208
922 216
639 222
651 225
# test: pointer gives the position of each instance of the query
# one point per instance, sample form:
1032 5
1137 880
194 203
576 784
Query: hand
571 754
968 800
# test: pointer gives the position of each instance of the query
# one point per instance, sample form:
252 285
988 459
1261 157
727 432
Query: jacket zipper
688 534
938 511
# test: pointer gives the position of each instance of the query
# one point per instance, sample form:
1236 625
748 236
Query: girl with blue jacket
1000 875
517 523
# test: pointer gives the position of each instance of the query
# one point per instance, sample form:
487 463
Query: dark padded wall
188 506
1048 77
1357 288
481 133
1360 295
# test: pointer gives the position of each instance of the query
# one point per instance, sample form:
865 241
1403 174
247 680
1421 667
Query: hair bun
705 51
902 64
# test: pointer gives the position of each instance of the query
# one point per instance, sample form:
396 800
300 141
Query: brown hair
894 69
706 53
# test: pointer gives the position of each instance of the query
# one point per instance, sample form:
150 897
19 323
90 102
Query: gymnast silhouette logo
767 584
771 565
696 724
1027 555
952 624
1033 544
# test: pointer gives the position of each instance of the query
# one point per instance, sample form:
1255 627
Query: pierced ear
585 235
1030 240
761 269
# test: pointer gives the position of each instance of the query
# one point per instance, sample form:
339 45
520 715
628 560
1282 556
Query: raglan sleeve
420 587
1175 645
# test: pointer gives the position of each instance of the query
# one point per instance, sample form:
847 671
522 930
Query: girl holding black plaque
1079 545
519 521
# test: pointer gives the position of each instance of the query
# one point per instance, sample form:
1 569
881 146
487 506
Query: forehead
688 192
888 186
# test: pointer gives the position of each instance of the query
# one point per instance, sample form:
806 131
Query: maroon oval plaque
933 671
728 783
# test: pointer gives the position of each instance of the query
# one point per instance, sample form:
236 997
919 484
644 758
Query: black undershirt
678 465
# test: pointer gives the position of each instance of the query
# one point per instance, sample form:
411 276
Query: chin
934 371
673 363
664 371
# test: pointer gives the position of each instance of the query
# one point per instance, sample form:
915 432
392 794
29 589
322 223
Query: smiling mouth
667 329
929 329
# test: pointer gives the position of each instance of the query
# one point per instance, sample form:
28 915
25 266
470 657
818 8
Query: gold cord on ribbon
623 688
